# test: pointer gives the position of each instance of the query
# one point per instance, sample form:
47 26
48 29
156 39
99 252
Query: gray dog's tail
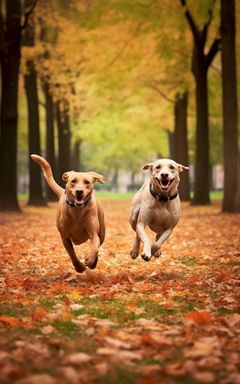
47 172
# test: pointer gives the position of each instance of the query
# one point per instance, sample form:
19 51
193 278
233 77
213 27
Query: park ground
173 320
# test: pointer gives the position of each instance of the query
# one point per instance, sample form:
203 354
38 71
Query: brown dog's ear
148 166
182 168
97 177
65 176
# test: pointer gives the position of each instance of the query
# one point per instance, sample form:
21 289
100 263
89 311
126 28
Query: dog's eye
87 182
171 167
73 181
158 166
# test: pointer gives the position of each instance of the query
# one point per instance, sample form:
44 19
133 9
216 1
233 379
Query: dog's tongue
80 201
165 183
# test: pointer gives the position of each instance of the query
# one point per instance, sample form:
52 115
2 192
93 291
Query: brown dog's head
79 186
165 174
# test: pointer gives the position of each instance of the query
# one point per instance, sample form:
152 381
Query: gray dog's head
165 174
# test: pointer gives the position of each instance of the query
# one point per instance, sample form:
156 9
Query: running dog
80 215
156 205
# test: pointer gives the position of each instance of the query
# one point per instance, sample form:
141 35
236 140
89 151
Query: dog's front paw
158 253
91 262
79 267
146 257
155 250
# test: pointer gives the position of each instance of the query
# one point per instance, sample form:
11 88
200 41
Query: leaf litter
174 319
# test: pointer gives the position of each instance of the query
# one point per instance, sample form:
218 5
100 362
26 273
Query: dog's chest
163 217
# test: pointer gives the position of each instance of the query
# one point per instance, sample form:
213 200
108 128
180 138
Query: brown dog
80 215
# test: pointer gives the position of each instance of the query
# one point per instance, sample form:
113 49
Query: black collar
160 197
72 205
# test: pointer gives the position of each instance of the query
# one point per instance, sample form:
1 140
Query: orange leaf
39 314
10 321
200 317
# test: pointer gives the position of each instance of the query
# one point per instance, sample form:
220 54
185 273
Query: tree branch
28 13
155 88
208 22
190 20
125 45
215 47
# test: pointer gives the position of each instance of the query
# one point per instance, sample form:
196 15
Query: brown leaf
37 379
205 377
78 358
200 317
10 321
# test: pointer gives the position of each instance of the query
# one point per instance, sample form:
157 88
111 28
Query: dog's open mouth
79 201
164 183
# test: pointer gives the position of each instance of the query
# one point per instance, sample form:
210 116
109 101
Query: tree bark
201 60
201 186
10 59
76 163
50 142
171 144
30 82
64 142
229 88
180 142
35 178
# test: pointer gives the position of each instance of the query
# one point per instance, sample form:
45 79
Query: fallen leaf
200 317
37 379
78 358
10 321
232 320
47 330
205 377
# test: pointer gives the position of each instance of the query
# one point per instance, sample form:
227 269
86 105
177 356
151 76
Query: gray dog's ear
182 168
65 176
148 166
97 177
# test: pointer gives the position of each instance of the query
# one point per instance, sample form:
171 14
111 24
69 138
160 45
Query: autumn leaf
170 319
10 321
200 317
39 314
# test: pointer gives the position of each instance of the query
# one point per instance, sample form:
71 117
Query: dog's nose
79 193
164 175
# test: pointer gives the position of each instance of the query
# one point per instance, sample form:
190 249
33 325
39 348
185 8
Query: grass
120 376
18 310
214 195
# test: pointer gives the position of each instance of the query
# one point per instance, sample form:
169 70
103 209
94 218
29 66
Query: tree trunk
171 144
201 61
201 185
115 180
35 181
229 87
76 163
64 140
10 59
50 142
180 149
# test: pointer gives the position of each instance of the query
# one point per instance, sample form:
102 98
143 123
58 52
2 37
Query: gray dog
156 205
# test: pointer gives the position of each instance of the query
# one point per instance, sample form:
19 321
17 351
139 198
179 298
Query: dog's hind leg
135 248
92 257
80 267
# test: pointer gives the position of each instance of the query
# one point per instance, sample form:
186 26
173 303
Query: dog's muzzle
164 183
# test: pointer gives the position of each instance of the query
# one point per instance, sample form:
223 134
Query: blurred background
109 86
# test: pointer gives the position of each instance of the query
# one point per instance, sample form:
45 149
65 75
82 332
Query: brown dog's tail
47 172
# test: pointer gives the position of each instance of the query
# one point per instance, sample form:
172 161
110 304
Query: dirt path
172 320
